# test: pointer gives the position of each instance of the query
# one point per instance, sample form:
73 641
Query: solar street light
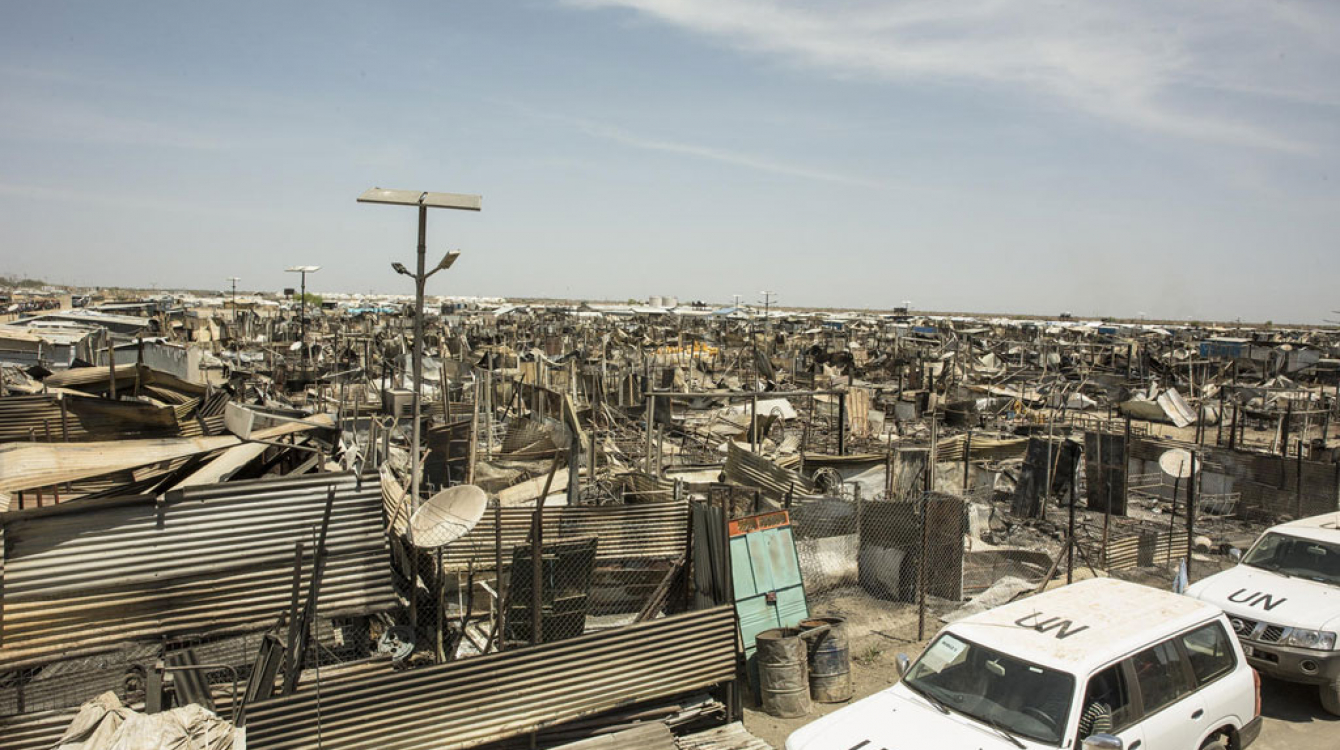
302 304
423 201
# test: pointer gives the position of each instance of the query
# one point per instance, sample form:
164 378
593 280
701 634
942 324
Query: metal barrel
830 661
783 688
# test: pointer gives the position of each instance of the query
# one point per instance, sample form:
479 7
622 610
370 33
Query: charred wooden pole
1070 537
753 422
651 419
967 458
1284 429
537 558
921 566
1190 516
111 364
842 425
1219 423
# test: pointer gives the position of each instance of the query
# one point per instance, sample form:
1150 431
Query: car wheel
1330 698
1217 742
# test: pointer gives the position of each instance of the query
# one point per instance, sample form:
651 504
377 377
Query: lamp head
447 260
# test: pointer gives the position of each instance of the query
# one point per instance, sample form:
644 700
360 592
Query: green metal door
769 592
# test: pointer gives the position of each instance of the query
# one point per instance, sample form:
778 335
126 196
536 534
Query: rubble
924 460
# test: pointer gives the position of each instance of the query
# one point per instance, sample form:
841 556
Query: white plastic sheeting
104 723
1177 409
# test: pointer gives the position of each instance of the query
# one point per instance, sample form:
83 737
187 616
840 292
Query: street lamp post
234 279
302 307
767 317
423 201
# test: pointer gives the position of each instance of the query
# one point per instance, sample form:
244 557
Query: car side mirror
1102 742
904 664
1235 554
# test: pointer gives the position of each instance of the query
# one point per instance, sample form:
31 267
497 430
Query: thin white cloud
120 199
1147 64
755 162
47 118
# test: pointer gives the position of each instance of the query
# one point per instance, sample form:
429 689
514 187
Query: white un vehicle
1102 664
1283 601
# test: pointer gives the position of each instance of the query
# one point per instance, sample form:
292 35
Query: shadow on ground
1288 701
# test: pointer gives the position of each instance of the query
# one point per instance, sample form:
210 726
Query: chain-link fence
599 567
883 561
899 565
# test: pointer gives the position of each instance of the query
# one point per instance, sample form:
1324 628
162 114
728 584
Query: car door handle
1199 713
1135 744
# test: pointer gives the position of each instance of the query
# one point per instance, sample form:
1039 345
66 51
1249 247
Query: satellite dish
447 516
1176 462
398 642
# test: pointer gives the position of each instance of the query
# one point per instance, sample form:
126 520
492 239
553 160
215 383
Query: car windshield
994 688
1297 557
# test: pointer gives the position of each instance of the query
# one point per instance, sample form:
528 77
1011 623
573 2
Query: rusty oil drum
829 660
783 685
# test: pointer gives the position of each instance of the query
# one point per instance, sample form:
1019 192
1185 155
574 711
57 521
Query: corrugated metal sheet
394 505
730 737
743 467
126 375
26 466
644 530
41 417
82 577
199 426
983 447
84 377
645 486
467 703
29 417
1144 549
655 735
35 731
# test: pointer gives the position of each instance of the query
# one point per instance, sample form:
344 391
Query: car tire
1330 698
1215 743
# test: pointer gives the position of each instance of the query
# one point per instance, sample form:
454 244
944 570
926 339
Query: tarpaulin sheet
104 723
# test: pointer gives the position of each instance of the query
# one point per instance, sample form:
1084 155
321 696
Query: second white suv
1283 601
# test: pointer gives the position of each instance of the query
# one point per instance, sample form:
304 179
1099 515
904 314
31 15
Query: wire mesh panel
550 598
827 542
881 561
600 567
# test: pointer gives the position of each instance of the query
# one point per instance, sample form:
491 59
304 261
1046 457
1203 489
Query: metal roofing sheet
743 467
469 702
643 530
82 577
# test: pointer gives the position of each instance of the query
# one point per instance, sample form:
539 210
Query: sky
1173 158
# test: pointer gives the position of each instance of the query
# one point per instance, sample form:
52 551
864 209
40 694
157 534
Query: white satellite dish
1176 462
447 516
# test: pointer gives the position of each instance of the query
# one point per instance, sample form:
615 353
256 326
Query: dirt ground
872 670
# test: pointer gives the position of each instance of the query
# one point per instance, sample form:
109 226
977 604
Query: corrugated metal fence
80 578
645 530
467 703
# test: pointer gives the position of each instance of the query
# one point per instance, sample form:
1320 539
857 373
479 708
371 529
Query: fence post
1190 516
967 459
842 424
1070 538
860 507
921 566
